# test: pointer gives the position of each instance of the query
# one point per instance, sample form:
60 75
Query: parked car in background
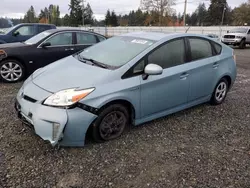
237 37
23 32
214 36
128 79
18 60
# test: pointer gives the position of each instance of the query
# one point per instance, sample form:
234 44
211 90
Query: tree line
151 13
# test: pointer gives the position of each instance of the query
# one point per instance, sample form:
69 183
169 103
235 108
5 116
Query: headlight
239 37
67 97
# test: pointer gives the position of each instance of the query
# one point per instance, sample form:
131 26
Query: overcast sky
17 8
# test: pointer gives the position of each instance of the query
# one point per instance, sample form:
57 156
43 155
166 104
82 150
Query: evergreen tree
30 16
215 12
108 18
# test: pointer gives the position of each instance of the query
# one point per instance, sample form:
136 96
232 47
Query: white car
237 37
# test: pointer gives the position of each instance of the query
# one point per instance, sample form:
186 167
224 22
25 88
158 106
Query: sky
17 8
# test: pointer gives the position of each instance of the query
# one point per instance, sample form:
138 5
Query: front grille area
27 98
229 37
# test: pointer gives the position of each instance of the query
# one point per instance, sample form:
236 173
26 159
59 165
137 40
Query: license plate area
23 118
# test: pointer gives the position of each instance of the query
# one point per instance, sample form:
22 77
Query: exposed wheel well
125 103
229 80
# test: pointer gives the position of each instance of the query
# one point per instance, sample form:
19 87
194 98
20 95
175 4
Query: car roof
74 30
35 24
157 36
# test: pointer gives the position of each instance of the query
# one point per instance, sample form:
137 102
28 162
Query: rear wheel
110 123
220 92
242 44
11 71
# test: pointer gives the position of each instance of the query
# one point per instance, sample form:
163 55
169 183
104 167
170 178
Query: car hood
12 45
236 34
69 73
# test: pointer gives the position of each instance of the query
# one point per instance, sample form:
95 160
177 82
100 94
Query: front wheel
110 123
220 92
11 71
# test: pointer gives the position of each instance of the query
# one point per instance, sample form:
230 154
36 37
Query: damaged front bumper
64 127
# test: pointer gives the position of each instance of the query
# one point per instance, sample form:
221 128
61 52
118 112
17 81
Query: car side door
60 46
170 89
23 33
84 40
204 66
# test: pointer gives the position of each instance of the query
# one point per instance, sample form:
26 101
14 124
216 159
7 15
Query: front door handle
69 49
184 76
215 65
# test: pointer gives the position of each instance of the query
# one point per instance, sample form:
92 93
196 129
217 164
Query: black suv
23 32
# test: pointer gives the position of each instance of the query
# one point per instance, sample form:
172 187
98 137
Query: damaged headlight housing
68 97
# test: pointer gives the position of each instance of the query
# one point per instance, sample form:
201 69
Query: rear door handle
215 65
184 76
69 49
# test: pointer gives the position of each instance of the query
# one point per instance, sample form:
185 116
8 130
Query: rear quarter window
217 48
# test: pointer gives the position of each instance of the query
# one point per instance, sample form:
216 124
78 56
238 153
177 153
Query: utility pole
223 14
83 12
185 12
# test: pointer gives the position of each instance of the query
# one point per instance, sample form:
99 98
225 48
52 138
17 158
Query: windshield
37 38
116 51
239 30
6 30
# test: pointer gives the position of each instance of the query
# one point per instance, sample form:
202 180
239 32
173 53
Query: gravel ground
204 146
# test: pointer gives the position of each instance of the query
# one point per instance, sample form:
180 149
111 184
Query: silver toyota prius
125 80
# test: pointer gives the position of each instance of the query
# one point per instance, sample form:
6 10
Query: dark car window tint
101 38
200 48
85 38
169 55
26 30
61 39
42 28
218 48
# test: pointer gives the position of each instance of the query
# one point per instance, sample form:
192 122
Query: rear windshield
117 51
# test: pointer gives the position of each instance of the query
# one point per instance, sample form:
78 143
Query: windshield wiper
94 62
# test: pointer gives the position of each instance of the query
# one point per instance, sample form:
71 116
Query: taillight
234 56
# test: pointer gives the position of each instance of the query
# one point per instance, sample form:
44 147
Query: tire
220 92
11 71
242 44
102 126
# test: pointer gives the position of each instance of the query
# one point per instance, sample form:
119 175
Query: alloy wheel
221 91
11 71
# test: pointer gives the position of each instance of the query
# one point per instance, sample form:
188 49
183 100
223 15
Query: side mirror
46 44
152 69
16 33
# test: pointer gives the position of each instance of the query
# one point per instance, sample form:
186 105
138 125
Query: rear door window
85 38
200 48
